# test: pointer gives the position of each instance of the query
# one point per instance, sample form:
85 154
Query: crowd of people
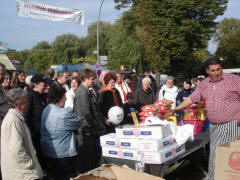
52 123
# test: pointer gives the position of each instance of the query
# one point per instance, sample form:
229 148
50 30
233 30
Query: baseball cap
37 78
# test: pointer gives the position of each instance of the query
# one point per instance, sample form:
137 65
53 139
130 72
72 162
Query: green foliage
13 54
43 45
167 36
124 46
229 49
65 48
123 3
227 25
227 37
172 30
91 39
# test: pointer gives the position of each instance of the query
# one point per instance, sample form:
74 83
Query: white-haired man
144 95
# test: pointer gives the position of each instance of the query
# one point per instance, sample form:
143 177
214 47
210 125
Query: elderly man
19 159
221 92
144 95
169 91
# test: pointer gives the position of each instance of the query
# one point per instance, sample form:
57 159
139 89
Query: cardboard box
164 154
141 131
110 140
227 163
114 172
130 154
154 144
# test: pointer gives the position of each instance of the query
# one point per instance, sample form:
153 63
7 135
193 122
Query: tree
172 30
228 42
39 57
91 39
229 49
43 45
227 25
13 54
23 57
65 48
124 47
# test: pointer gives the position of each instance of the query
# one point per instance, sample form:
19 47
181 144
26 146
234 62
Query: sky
23 33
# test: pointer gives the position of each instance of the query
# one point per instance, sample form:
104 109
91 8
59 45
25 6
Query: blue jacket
57 132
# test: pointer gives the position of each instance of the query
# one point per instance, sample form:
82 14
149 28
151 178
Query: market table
199 142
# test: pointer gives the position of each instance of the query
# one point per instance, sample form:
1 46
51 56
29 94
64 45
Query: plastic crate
198 125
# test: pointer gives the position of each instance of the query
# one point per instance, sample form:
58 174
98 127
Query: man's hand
187 102
173 111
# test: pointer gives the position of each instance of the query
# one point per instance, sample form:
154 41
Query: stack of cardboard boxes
152 144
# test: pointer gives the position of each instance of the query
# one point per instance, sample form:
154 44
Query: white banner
27 8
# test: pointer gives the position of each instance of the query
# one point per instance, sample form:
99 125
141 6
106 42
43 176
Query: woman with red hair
109 97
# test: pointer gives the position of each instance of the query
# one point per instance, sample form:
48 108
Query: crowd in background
61 117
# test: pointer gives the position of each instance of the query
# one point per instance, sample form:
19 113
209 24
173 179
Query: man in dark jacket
36 104
85 105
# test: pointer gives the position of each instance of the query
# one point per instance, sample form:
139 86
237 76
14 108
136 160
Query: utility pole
99 13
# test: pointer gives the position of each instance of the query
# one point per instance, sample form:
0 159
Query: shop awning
4 60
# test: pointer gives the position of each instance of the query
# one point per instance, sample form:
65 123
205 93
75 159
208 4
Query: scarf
124 93
113 93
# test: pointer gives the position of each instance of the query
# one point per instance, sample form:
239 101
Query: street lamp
98 32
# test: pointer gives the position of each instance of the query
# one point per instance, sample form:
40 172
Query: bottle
140 164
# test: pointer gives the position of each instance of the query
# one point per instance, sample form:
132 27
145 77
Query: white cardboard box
143 131
110 140
154 144
164 154
120 153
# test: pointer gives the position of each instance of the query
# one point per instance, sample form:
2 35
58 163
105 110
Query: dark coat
85 106
181 96
105 102
142 98
33 115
